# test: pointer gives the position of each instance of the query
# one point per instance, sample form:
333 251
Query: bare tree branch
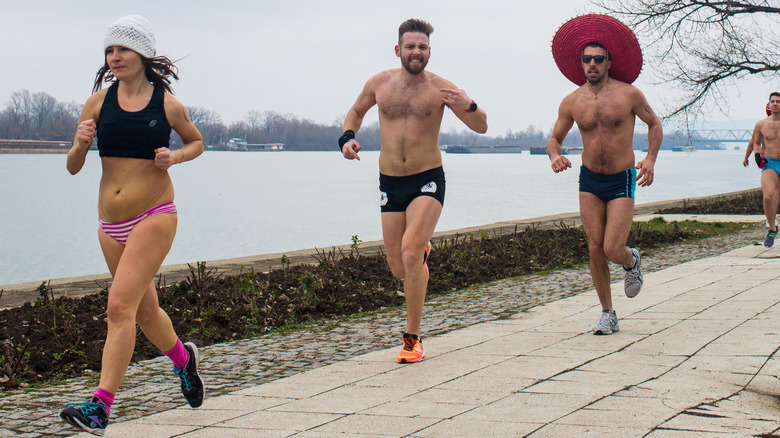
702 45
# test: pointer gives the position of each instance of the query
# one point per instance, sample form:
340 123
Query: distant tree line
39 116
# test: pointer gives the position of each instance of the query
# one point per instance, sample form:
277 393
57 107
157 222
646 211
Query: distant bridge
721 135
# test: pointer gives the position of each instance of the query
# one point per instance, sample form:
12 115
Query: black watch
472 108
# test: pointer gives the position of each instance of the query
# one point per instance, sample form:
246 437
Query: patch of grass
745 203
658 228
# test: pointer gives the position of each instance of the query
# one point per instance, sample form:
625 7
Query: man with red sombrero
603 57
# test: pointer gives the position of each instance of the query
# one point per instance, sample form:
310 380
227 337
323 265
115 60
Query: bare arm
179 119
750 147
748 151
555 144
354 119
85 132
459 102
364 102
655 135
757 142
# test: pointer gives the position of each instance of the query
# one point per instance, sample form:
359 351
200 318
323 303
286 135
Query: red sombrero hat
616 37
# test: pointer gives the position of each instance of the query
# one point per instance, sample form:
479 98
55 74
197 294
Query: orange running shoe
412 350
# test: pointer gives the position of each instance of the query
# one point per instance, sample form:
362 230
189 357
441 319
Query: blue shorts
399 191
608 187
772 163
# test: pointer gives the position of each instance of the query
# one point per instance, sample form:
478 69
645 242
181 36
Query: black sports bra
132 134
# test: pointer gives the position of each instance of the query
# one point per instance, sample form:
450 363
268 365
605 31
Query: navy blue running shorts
608 187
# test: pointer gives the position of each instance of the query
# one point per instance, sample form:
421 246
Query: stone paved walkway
150 387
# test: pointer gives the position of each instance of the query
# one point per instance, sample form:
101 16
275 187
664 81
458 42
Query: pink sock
107 398
178 354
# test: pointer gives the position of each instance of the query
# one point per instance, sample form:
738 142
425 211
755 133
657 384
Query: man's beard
419 68
597 80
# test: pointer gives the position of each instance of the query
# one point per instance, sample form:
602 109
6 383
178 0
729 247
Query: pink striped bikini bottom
120 230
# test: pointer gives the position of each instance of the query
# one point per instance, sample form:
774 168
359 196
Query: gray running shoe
606 324
632 282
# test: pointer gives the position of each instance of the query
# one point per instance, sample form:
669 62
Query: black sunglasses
598 58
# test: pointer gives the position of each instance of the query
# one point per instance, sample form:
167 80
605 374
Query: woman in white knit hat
132 120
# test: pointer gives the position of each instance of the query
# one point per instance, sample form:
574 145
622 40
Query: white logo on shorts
382 199
429 188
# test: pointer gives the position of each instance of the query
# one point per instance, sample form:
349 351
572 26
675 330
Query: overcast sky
311 58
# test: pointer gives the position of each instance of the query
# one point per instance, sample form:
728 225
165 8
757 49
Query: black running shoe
91 416
191 383
770 238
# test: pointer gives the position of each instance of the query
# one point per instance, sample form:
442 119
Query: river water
234 204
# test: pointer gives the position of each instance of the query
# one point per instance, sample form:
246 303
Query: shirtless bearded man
411 104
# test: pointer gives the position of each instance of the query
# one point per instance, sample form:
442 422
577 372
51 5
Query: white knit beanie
134 32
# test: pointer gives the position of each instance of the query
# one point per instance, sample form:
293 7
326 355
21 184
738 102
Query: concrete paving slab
589 431
654 407
135 430
671 433
706 422
347 399
618 418
313 434
512 345
371 425
421 379
487 383
563 385
289 422
230 432
477 428
533 407
411 407
194 417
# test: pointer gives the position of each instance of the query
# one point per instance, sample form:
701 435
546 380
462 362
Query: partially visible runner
767 134
603 57
411 104
759 154
132 120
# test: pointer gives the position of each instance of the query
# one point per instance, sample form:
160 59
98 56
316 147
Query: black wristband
347 136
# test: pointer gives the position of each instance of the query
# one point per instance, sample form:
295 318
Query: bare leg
770 185
593 212
133 267
620 216
607 226
405 241
393 227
